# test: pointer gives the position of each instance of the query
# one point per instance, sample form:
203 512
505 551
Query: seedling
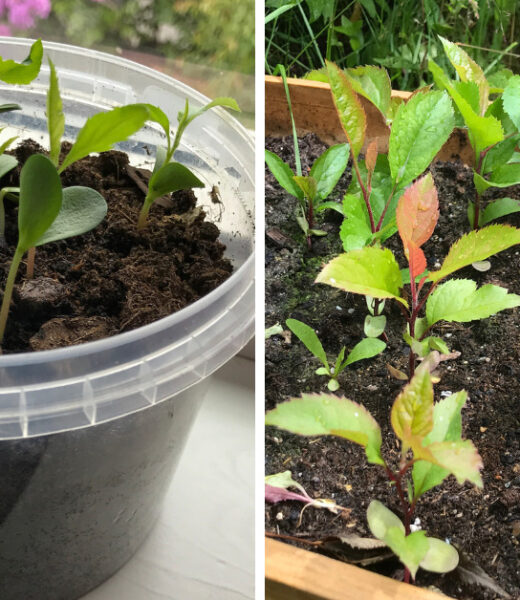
419 128
26 71
493 130
375 272
47 213
364 349
431 448
169 176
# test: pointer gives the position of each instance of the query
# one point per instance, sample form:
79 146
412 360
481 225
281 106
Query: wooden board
314 112
295 574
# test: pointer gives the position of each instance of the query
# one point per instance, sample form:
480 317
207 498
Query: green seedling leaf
373 83
40 200
476 246
499 154
381 519
328 168
447 427
366 348
511 100
307 185
331 205
412 411
468 70
55 116
339 361
326 414
368 271
24 72
502 177
351 114
440 557
158 116
355 231
285 481
459 300
333 385
374 326
276 329
9 107
82 209
469 91
161 154
7 163
395 103
283 173
223 101
170 178
459 457
499 208
308 337
411 549
103 130
419 130
437 343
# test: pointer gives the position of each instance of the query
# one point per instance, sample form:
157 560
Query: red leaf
371 156
417 214
416 259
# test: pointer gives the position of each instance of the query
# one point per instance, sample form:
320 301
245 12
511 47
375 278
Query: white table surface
202 547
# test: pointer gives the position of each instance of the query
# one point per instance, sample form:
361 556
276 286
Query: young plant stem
383 214
8 291
31 254
143 215
366 196
310 221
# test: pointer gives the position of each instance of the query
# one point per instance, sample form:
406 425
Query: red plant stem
365 194
383 214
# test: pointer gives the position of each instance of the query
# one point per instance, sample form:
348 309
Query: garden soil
113 278
484 524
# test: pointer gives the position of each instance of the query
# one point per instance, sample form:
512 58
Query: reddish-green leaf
459 457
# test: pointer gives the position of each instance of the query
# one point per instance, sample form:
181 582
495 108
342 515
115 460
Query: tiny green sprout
171 176
311 190
367 348
48 213
432 448
26 71
492 119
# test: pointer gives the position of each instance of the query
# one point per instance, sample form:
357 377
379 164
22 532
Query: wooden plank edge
295 574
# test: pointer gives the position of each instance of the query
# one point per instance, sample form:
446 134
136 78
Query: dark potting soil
114 278
483 524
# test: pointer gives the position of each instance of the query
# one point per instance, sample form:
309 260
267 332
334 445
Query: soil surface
113 278
483 524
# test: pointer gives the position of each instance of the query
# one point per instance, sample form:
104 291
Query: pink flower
21 13
5 30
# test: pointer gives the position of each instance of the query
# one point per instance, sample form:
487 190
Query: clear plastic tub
89 435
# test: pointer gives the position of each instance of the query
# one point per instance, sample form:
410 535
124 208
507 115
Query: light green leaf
374 326
437 343
308 337
308 186
225 102
459 457
412 412
366 348
333 385
24 72
81 210
105 129
381 519
55 116
7 163
411 549
40 199
158 116
328 168
285 481
511 99
395 103
8 107
459 300
283 173
326 414
373 83
440 558
355 231
447 427
469 91
161 153
368 271
419 130
275 329
476 246
170 178
502 177
500 153
499 208
350 112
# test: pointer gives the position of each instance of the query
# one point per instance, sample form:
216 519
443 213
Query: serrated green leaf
499 208
81 210
366 348
373 83
326 414
500 154
419 130
350 112
283 173
381 519
511 99
317 75
40 199
170 178
412 411
102 131
476 246
469 91
308 337
468 70
355 231
459 457
447 427
26 71
440 558
459 300
308 186
55 116
368 271
374 326
328 168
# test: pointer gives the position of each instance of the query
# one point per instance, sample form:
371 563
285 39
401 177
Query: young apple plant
431 449
366 348
493 126
374 272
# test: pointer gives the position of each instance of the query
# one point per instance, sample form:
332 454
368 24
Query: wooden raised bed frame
292 573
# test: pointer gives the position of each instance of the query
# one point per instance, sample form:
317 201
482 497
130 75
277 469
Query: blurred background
208 44
398 34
